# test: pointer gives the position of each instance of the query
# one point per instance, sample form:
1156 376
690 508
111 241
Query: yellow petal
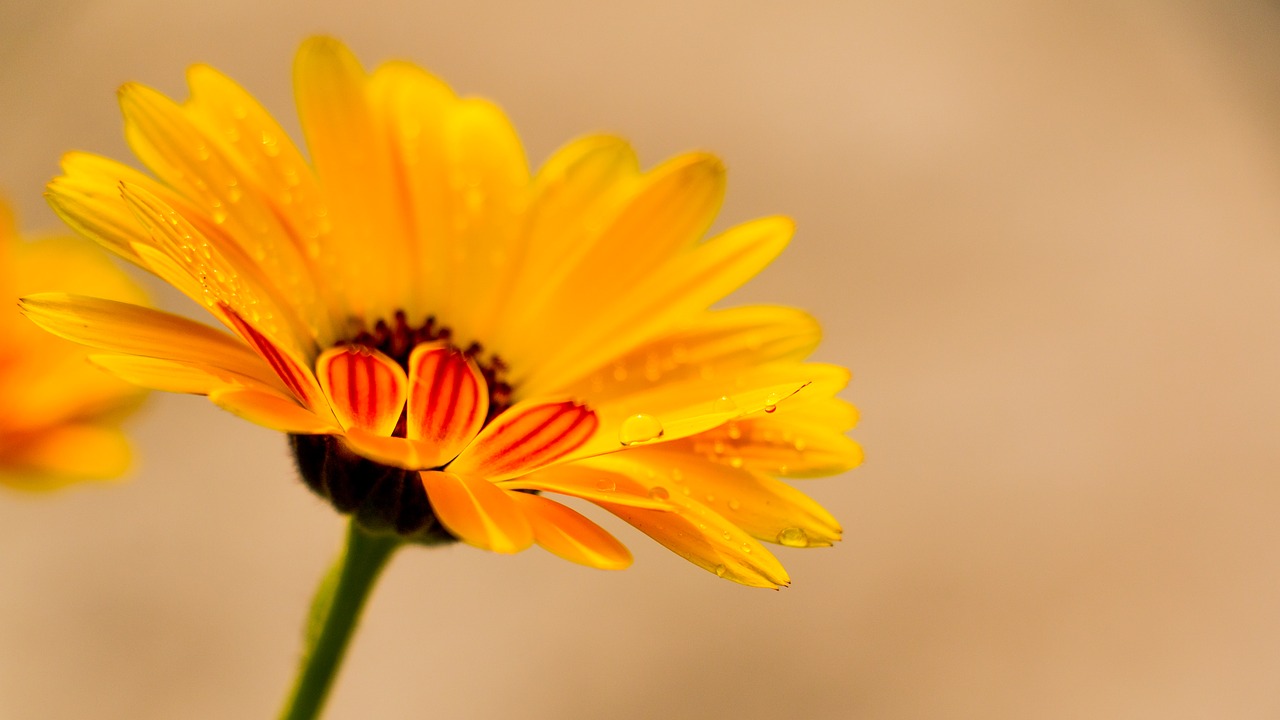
478 512
573 195
174 376
526 437
671 208
784 444
448 399
718 346
410 107
351 151
222 280
134 330
570 535
589 483
767 509
687 284
365 388
68 453
707 540
488 176
272 410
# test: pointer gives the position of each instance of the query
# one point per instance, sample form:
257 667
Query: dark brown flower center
383 498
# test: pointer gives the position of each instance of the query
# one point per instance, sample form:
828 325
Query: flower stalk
335 612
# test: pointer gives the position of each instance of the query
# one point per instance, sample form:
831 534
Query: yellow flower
448 338
61 414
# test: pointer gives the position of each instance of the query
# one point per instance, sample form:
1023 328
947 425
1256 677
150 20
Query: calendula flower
450 339
61 414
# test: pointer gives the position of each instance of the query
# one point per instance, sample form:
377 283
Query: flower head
449 338
61 414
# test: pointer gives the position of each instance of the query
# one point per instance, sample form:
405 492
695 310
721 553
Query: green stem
334 614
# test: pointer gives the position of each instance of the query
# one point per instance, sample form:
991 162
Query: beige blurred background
1045 236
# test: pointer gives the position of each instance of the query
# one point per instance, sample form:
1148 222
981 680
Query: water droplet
800 444
735 462
727 535
639 428
734 504
721 570
746 548
619 373
771 403
606 485
718 447
794 537
725 405
735 432
677 475
711 498
657 492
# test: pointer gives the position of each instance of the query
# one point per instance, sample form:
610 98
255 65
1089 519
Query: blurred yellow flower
449 338
61 414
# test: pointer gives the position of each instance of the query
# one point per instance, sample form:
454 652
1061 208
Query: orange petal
526 437
589 483
272 410
570 535
366 389
707 540
478 512
394 451
448 399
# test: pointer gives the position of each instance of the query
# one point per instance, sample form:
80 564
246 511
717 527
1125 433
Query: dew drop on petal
721 570
639 428
771 403
658 492
794 537
725 405
734 504
735 432
606 485
735 462
746 548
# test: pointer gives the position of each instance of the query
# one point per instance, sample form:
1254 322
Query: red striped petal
448 399
526 437
293 374
365 388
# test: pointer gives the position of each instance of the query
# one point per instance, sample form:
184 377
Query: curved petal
187 150
478 512
526 437
365 388
272 410
448 399
135 330
174 376
720 345
707 540
588 483
767 509
570 535
688 283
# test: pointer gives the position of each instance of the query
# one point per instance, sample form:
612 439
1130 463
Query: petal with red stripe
366 389
448 399
526 437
